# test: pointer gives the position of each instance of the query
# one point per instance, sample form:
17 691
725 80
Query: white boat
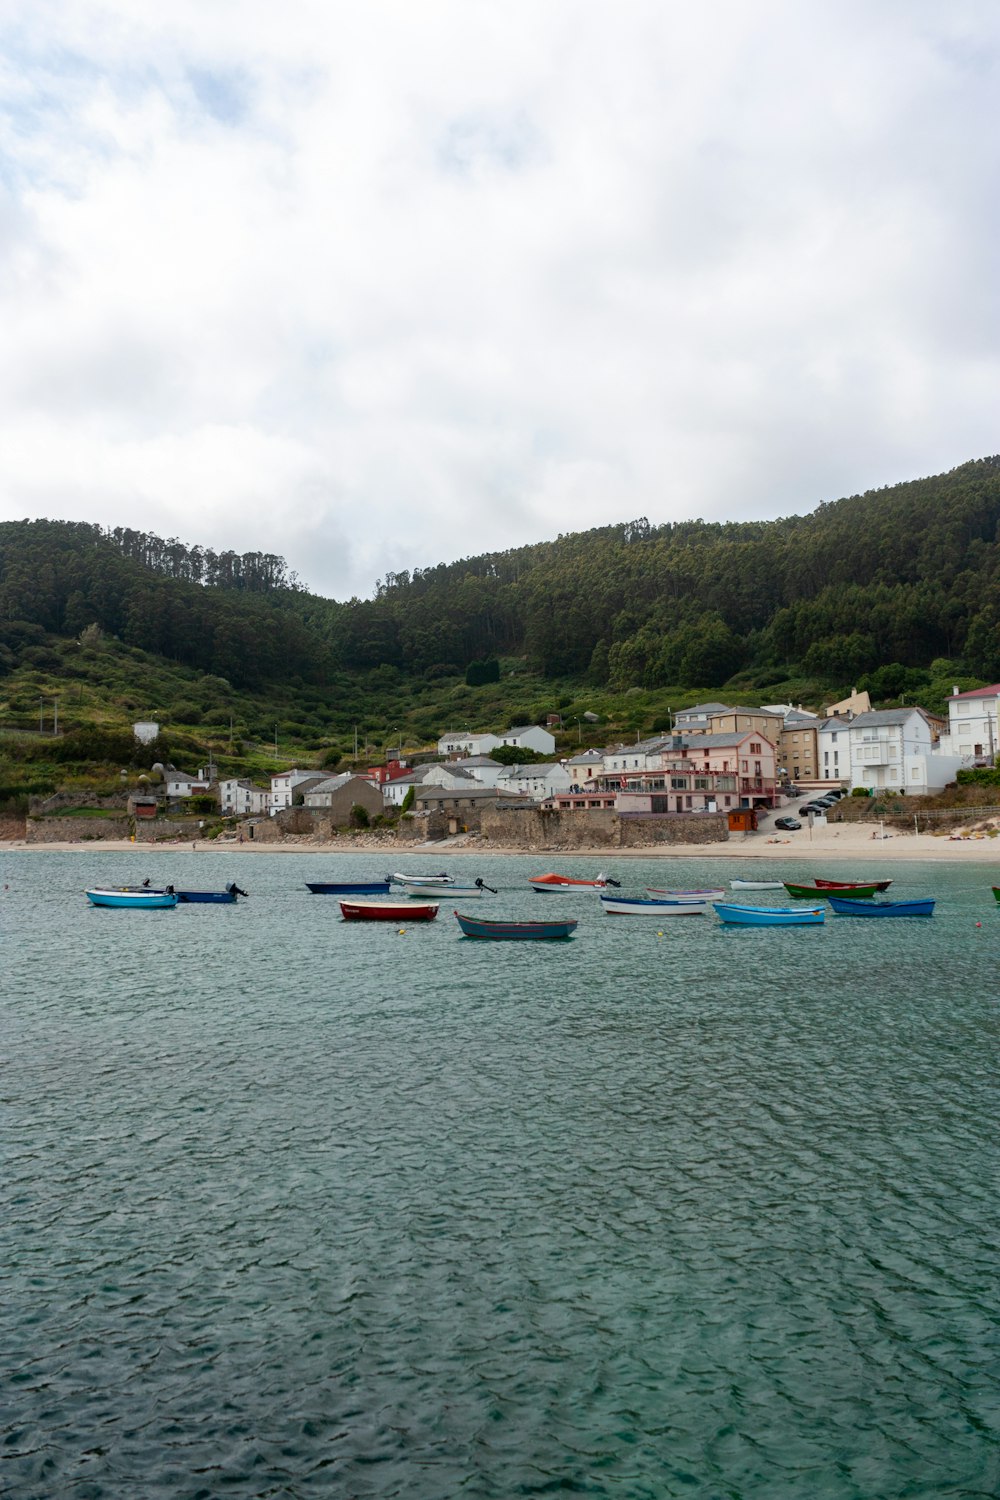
712 893
439 882
466 892
756 885
625 906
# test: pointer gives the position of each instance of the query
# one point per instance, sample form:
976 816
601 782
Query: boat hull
823 893
133 900
849 885
756 885
439 882
564 885
769 916
348 887
712 893
387 911
846 908
477 927
456 892
215 898
616 906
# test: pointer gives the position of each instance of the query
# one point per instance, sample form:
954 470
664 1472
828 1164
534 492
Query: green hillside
896 590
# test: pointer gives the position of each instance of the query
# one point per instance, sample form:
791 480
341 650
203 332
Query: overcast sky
381 285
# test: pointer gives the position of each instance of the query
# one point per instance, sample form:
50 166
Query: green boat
996 893
823 893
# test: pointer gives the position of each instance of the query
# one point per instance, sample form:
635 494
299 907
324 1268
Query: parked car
788 825
810 807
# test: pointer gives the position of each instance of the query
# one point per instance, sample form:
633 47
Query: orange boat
565 884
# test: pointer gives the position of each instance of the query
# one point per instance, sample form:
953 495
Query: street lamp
579 733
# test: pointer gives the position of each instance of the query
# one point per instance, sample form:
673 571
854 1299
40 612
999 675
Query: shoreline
842 842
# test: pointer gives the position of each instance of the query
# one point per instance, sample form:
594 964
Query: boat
846 885
768 916
756 885
463 892
844 907
712 893
627 906
141 900
226 897
996 892
388 911
566 885
438 881
823 892
348 887
478 927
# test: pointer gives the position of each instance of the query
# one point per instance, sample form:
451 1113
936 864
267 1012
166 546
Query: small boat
847 885
438 881
565 884
847 908
142 900
768 916
996 892
477 927
464 892
626 906
713 893
348 887
226 897
824 892
387 911
756 885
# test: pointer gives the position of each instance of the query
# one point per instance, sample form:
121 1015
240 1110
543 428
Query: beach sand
832 842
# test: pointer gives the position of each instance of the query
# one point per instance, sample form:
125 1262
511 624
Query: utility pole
55 716
41 716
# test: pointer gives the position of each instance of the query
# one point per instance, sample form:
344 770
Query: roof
983 692
476 760
700 708
885 716
584 757
448 793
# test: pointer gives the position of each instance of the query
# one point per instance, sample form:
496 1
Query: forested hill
904 574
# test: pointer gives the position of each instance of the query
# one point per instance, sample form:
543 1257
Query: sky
382 285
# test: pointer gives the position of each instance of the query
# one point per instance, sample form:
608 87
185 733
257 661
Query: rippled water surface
290 1207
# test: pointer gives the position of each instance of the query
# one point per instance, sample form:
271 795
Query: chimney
954 692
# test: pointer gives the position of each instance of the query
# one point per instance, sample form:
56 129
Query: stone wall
516 828
75 830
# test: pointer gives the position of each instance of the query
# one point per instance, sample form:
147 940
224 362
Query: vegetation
896 591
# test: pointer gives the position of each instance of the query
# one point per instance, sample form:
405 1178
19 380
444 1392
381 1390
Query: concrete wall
604 829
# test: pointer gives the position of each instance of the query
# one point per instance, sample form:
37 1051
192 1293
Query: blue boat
768 916
478 927
845 908
218 898
348 887
133 900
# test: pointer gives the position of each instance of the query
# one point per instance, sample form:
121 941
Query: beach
834 842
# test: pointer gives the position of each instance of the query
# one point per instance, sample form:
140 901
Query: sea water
293 1207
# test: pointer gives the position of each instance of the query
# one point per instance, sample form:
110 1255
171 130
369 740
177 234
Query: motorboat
133 900
566 885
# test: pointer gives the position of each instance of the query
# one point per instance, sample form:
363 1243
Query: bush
359 816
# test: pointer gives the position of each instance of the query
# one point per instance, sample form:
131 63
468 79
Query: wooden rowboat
133 900
769 916
388 911
566 885
846 885
626 906
478 927
847 908
824 892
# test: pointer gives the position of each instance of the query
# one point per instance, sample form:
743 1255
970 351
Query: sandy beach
843 841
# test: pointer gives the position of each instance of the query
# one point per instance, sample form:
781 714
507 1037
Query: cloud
378 287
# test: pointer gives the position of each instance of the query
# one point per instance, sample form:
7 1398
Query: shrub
359 816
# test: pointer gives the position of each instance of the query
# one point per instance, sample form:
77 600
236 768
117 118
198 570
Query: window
755 746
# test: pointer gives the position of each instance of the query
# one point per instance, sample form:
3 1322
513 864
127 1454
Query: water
290 1207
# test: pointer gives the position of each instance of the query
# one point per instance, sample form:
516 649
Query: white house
482 767
896 749
535 781
179 784
465 742
241 799
283 784
973 729
529 737
583 767
450 777
833 749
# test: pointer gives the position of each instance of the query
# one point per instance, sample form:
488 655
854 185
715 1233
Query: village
719 769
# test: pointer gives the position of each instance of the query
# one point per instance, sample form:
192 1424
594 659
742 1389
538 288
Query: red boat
850 885
389 911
